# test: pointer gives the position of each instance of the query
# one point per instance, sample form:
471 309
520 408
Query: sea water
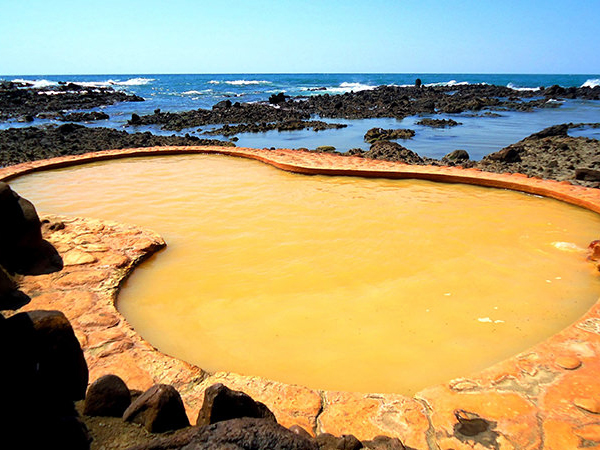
478 135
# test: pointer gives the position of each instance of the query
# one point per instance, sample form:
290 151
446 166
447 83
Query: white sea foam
515 88
449 83
240 82
139 81
591 83
36 84
351 87
194 92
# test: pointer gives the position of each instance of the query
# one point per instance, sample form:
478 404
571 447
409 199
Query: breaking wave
240 82
591 83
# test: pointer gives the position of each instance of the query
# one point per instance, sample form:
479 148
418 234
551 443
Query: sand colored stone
547 397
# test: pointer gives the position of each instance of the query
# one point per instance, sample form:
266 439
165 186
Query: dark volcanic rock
457 156
507 155
19 145
221 113
379 134
222 403
287 125
22 249
19 100
10 296
107 396
61 367
384 101
278 98
556 156
392 151
384 443
236 434
555 130
159 409
587 174
83 117
349 442
438 123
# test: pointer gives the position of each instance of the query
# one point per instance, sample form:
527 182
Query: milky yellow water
333 282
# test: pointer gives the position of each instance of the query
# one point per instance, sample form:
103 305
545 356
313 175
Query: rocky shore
19 145
22 101
384 101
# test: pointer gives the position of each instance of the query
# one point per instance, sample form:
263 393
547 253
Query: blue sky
273 36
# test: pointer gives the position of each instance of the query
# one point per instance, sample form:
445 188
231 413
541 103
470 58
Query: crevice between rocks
430 433
318 427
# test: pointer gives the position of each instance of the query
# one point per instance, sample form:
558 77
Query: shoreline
524 396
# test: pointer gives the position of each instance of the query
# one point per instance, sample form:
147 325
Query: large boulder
391 151
245 433
107 396
10 296
22 248
43 371
221 403
61 366
380 134
554 130
159 409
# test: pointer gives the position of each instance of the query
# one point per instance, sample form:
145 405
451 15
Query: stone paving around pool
547 397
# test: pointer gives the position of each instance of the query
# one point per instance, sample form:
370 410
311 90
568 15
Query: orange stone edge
545 397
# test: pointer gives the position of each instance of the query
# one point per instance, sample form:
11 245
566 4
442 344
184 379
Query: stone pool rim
544 397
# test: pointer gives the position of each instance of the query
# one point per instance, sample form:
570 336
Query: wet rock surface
19 145
222 113
438 123
236 434
551 154
288 125
43 367
107 396
21 100
379 134
384 101
159 409
222 403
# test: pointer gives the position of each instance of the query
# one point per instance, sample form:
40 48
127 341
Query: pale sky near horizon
293 36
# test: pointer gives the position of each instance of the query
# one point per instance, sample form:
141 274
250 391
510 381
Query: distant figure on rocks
418 83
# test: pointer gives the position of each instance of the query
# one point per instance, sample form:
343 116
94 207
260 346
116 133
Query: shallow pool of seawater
334 282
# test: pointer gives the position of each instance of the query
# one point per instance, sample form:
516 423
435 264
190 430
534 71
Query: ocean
478 135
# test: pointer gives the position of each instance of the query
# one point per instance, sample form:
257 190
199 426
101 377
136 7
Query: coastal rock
275 99
391 151
456 156
23 101
22 249
19 145
237 434
10 296
587 174
61 367
107 396
83 116
222 403
224 104
555 130
508 155
349 442
555 155
442 123
379 134
159 409
384 443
